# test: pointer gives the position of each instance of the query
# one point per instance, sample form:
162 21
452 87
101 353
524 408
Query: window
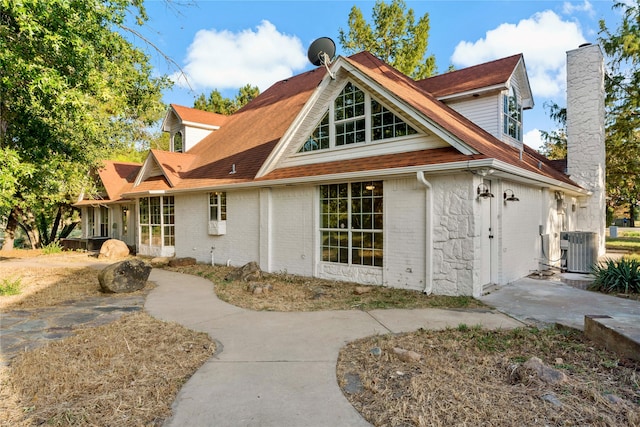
512 115
385 124
217 206
177 142
91 222
351 223
104 222
355 118
157 221
319 139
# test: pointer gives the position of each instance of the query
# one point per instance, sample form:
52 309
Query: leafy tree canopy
72 90
216 103
622 46
555 142
395 38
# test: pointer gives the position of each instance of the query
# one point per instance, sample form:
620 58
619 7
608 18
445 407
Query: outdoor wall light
483 191
509 196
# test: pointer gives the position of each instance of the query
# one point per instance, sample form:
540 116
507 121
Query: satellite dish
321 51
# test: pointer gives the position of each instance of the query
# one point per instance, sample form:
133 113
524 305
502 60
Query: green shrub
617 276
52 248
10 287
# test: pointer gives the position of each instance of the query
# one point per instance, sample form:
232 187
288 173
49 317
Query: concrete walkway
278 369
547 302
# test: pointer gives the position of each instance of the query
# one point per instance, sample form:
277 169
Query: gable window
157 221
319 139
217 213
512 114
355 118
178 146
351 223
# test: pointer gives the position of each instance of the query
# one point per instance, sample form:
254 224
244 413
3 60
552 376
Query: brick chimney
585 136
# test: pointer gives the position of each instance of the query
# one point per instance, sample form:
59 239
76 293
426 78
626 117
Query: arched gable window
355 117
178 146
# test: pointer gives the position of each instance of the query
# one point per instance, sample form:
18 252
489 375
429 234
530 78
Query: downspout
428 279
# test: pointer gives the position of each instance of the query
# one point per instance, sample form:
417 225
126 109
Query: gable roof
117 178
236 153
468 79
193 115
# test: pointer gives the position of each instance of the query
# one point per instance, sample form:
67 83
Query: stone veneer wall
585 135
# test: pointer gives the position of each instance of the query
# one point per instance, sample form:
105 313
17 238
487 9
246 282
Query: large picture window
157 221
351 223
355 118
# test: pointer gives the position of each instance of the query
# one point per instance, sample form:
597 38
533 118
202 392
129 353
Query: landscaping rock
259 288
249 272
375 351
124 276
114 249
182 262
551 398
160 261
361 290
407 355
545 373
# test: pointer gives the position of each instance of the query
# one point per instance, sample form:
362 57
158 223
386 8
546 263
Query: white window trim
217 227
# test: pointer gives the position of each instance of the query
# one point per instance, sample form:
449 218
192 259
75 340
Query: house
366 175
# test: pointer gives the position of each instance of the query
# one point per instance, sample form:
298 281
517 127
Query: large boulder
114 249
249 272
124 276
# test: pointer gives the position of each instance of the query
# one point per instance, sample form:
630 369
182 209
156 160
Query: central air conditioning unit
580 249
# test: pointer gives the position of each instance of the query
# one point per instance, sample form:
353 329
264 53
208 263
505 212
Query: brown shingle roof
188 114
250 135
468 79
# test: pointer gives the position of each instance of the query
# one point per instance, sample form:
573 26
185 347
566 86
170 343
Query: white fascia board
165 126
408 110
200 125
149 163
470 93
501 170
276 154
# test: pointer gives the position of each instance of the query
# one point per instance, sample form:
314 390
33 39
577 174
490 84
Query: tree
623 107
216 103
395 38
72 91
555 142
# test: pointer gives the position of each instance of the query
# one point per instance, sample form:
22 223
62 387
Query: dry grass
297 293
58 285
470 376
124 373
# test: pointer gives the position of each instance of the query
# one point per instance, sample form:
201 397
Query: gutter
466 165
428 279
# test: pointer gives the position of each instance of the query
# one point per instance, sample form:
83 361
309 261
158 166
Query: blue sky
226 44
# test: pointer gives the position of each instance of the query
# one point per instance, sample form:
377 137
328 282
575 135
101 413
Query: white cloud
569 8
533 139
543 38
226 60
